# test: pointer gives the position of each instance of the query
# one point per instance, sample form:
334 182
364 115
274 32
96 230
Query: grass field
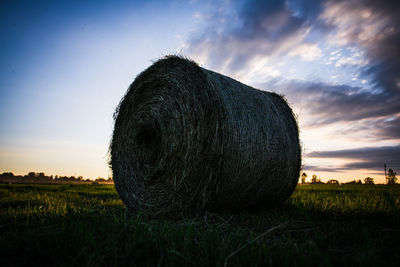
319 225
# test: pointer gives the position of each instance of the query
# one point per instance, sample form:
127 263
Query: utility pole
384 165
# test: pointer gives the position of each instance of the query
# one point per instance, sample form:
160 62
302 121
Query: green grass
87 225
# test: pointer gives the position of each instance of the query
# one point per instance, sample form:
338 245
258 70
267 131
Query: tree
332 181
314 179
369 180
303 177
391 177
100 179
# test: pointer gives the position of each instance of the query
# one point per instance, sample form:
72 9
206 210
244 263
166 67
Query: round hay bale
187 140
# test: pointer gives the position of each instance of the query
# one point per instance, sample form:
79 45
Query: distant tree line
390 179
41 177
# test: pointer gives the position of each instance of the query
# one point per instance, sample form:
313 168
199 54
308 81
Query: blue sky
66 64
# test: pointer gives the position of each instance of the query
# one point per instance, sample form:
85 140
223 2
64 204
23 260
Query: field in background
320 225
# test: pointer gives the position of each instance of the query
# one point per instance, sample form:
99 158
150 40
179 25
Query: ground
323 225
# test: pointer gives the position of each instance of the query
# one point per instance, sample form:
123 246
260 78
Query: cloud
307 52
323 169
355 59
324 103
386 128
371 158
359 114
249 39
271 72
259 29
373 27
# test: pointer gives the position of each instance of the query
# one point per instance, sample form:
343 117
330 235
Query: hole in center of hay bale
148 138
148 135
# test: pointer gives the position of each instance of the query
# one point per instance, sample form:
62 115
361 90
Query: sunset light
66 64
199 133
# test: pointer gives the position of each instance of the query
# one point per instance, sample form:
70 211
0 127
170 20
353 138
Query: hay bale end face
187 140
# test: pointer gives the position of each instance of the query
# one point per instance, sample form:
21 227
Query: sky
65 65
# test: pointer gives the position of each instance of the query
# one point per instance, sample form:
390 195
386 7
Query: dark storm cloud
374 129
262 28
322 169
257 28
371 158
382 49
389 129
342 103
269 20
362 114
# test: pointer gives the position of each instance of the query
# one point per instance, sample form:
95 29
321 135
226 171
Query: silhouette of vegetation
332 181
315 180
303 177
42 178
354 182
369 180
391 177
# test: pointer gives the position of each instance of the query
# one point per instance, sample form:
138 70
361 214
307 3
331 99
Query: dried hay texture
187 140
